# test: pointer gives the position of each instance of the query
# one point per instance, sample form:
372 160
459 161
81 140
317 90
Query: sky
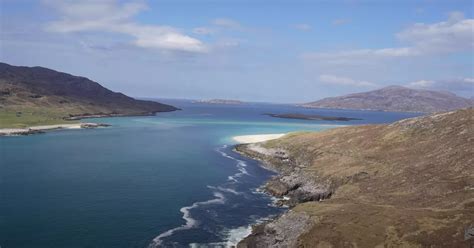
251 50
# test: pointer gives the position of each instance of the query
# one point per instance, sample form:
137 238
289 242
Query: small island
220 101
311 117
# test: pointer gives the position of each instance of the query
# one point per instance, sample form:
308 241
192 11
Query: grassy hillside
36 96
408 184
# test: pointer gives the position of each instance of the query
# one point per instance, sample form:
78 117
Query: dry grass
417 189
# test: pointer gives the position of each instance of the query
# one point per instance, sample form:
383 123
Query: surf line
219 199
240 165
190 222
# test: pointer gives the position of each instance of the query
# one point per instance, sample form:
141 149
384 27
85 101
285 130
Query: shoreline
256 138
289 186
88 116
43 128
369 109
231 235
30 130
343 186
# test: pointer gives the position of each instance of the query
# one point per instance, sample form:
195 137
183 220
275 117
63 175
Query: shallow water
170 179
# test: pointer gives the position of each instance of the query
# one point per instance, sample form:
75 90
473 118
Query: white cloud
460 85
204 30
218 25
227 23
344 81
88 16
339 22
228 43
360 55
453 35
303 27
421 84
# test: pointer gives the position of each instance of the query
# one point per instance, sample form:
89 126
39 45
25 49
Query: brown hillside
408 184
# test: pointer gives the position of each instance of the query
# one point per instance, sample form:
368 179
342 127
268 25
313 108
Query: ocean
170 180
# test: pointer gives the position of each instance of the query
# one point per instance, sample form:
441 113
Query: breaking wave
229 237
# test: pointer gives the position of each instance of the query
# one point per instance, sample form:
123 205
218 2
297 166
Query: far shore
43 128
246 139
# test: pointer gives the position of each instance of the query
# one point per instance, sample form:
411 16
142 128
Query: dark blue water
170 179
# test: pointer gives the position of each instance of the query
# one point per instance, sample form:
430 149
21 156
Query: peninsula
37 96
406 184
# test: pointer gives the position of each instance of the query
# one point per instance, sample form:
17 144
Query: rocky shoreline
290 183
405 184
291 186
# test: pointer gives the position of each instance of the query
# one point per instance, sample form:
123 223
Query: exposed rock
276 187
281 233
94 125
291 183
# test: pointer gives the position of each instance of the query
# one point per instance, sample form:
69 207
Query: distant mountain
396 98
220 101
40 91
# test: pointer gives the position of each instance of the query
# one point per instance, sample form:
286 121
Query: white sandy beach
21 131
245 139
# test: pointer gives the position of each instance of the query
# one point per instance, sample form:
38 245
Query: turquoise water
164 180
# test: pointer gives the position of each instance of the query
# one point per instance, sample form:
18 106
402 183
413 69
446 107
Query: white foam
208 245
243 170
259 191
234 236
240 165
232 178
190 222
228 190
224 154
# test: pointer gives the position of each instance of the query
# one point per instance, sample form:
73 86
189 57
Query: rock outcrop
281 233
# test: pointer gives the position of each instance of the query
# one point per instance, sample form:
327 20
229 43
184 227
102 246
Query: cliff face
407 184
396 98
49 94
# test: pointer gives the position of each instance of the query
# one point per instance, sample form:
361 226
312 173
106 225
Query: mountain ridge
395 98
42 93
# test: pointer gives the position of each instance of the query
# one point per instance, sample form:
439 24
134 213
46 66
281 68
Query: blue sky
276 51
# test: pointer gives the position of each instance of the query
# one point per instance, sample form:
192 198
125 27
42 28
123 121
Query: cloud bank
457 85
452 35
111 16
344 81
